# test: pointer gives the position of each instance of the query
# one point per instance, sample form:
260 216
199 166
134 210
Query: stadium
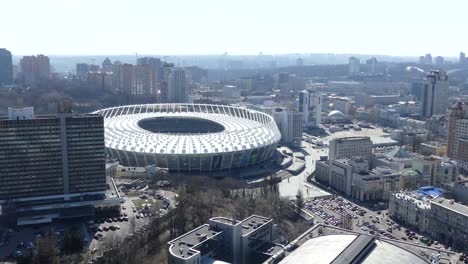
189 137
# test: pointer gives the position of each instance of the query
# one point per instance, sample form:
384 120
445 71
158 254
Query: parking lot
134 213
338 211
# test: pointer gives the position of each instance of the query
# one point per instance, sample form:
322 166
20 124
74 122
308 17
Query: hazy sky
394 27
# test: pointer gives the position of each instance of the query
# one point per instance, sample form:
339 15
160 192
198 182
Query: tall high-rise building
299 62
439 60
52 166
100 80
428 59
347 148
462 58
178 89
144 80
310 104
126 78
435 94
82 70
6 67
54 155
154 69
457 137
371 64
421 60
290 124
116 70
354 66
106 65
35 69
166 71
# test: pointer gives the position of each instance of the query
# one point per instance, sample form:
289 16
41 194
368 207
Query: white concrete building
342 104
225 240
354 178
411 209
178 87
346 148
290 125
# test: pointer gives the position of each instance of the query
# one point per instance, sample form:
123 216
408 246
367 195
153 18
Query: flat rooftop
252 223
376 135
450 205
182 246
225 220
74 115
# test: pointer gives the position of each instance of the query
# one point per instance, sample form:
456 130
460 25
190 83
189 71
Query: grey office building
6 67
51 156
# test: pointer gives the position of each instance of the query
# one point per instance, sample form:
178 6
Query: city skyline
358 27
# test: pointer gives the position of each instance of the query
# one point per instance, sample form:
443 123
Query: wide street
290 185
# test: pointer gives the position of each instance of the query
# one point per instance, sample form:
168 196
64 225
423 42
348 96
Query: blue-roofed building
431 191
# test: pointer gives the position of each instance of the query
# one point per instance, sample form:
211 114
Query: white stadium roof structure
189 136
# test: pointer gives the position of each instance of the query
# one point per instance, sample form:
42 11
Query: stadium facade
189 137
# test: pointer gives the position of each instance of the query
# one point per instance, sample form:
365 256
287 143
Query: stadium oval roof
243 129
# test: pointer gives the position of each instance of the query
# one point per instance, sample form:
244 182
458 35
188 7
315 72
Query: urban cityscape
246 158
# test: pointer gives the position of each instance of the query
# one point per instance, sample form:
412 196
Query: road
290 185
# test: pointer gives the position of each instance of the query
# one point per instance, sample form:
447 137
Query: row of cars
336 205
100 236
329 219
374 230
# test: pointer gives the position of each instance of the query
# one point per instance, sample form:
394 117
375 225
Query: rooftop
345 248
399 153
376 135
430 191
242 129
450 205
253 222
184 246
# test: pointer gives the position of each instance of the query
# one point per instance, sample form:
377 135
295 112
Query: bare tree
132 224
46 251
299 202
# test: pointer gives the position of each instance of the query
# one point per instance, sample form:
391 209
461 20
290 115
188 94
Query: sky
240 27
